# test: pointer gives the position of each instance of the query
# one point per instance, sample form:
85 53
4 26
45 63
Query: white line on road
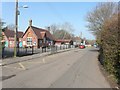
33 62
13 67
43 60
22 66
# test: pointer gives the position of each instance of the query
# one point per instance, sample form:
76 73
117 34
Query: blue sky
47 13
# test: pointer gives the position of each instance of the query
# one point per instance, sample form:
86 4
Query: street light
16 40
24 6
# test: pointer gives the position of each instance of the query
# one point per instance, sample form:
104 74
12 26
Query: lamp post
16 39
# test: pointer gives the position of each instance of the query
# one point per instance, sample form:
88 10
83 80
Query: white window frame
29 42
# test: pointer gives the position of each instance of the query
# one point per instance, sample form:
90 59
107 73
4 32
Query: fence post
45 48
52 49
3 50
42 49
60 47
32 49
25 50
17 51
69 46
56 48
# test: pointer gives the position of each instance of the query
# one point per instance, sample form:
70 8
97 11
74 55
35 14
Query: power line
55 12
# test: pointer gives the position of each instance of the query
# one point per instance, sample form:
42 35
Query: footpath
13 60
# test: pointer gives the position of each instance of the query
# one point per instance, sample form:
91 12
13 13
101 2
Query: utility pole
16 29
16 39
81 35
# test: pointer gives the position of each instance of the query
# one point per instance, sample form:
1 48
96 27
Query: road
77 68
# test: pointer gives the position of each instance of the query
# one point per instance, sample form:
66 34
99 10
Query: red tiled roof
10 33
76 38
40 33
64 40
20 34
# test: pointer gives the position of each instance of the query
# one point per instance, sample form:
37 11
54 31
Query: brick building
64 41
37 37
8 36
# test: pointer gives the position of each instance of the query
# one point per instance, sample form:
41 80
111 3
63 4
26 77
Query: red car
82 46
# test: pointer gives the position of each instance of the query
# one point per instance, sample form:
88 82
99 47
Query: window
11 42
29 41
40 41
44 40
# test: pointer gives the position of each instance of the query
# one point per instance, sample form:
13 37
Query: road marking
21 65
33 62
43 60
13 67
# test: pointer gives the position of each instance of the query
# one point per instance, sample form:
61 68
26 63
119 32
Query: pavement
77 68
11 66
29 57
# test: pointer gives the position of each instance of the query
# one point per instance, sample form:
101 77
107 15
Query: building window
40 42
44 40
34 44
11 42
29 41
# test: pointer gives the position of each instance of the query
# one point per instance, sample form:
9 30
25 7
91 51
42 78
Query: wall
30 33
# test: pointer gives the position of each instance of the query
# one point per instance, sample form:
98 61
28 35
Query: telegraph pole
16 39
16 29
81 35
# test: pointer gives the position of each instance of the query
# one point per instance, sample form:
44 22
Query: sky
47 13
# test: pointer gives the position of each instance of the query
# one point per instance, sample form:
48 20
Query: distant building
77 40
37 37
8 36
64 41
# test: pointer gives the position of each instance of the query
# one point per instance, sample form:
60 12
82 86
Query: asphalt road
73 69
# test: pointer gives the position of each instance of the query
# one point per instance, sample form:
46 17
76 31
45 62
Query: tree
103 22
62 31
1 37
68 28
99 15
1 29
54 28
11 27
111 45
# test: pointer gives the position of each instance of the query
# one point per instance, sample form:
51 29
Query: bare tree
54 28
11 26
99 15
68 28
103 22
62 31
1 36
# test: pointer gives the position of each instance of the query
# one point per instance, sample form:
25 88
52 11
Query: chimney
30 23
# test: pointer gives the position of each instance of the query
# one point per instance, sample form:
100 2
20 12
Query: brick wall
31 34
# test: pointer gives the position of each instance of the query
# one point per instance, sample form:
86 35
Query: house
64 41
8 36
77 40
37 37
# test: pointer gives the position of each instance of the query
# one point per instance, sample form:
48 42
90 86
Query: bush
110 51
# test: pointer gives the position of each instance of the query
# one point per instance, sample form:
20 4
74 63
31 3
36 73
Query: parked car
82 46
